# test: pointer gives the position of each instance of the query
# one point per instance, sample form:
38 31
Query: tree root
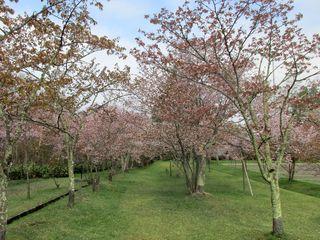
201 194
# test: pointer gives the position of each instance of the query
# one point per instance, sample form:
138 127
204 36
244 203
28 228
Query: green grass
41 191
146 204
300 186
304 171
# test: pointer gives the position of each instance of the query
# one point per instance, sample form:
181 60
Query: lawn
41 191
147 204
304 171
300 185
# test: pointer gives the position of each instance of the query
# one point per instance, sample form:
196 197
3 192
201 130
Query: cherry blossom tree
53 45
116 137
188 118
250 51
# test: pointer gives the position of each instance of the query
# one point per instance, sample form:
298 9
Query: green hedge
37 171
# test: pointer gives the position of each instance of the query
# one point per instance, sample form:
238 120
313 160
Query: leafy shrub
58 171
37 171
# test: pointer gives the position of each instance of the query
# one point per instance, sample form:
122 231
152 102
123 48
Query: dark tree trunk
70 151
110 174
243 177
246 175
217 158
8 151
3 204
26 159
96 184
110 177
71 199
96 181
292 169
28 186
277 226
200 174
91 173
2 234
56 183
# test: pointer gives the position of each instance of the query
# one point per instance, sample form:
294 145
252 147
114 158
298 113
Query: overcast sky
123 19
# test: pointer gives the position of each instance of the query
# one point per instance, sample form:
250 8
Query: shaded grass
147 204
299 186
304 171
41 191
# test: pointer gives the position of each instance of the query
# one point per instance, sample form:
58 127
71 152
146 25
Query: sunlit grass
148 204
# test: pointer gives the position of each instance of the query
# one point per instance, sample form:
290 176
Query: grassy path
146 204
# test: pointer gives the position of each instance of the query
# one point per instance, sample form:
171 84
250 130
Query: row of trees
48 78
250 54
234 78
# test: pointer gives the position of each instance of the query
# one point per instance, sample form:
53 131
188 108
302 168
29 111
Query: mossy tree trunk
208 160
96 180
3 203
292 169
3 189
201 177
194 171
90 168
125 162
201 171
245 176
277 226
56 182
8 154
187 171
26 159
217 159
70 154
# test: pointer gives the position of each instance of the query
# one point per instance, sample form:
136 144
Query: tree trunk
277 227
90 173
170 168
17 158
188 175
26 159
3 204
246 175
201 161
110 172
243 177
3 190
94 185
96 181
71 199
217 158
201 175
110 175
56 183
208 159
70 170
292 169
131 164
125 162
28 186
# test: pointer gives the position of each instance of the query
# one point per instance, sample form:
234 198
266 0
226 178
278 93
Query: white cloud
123 18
